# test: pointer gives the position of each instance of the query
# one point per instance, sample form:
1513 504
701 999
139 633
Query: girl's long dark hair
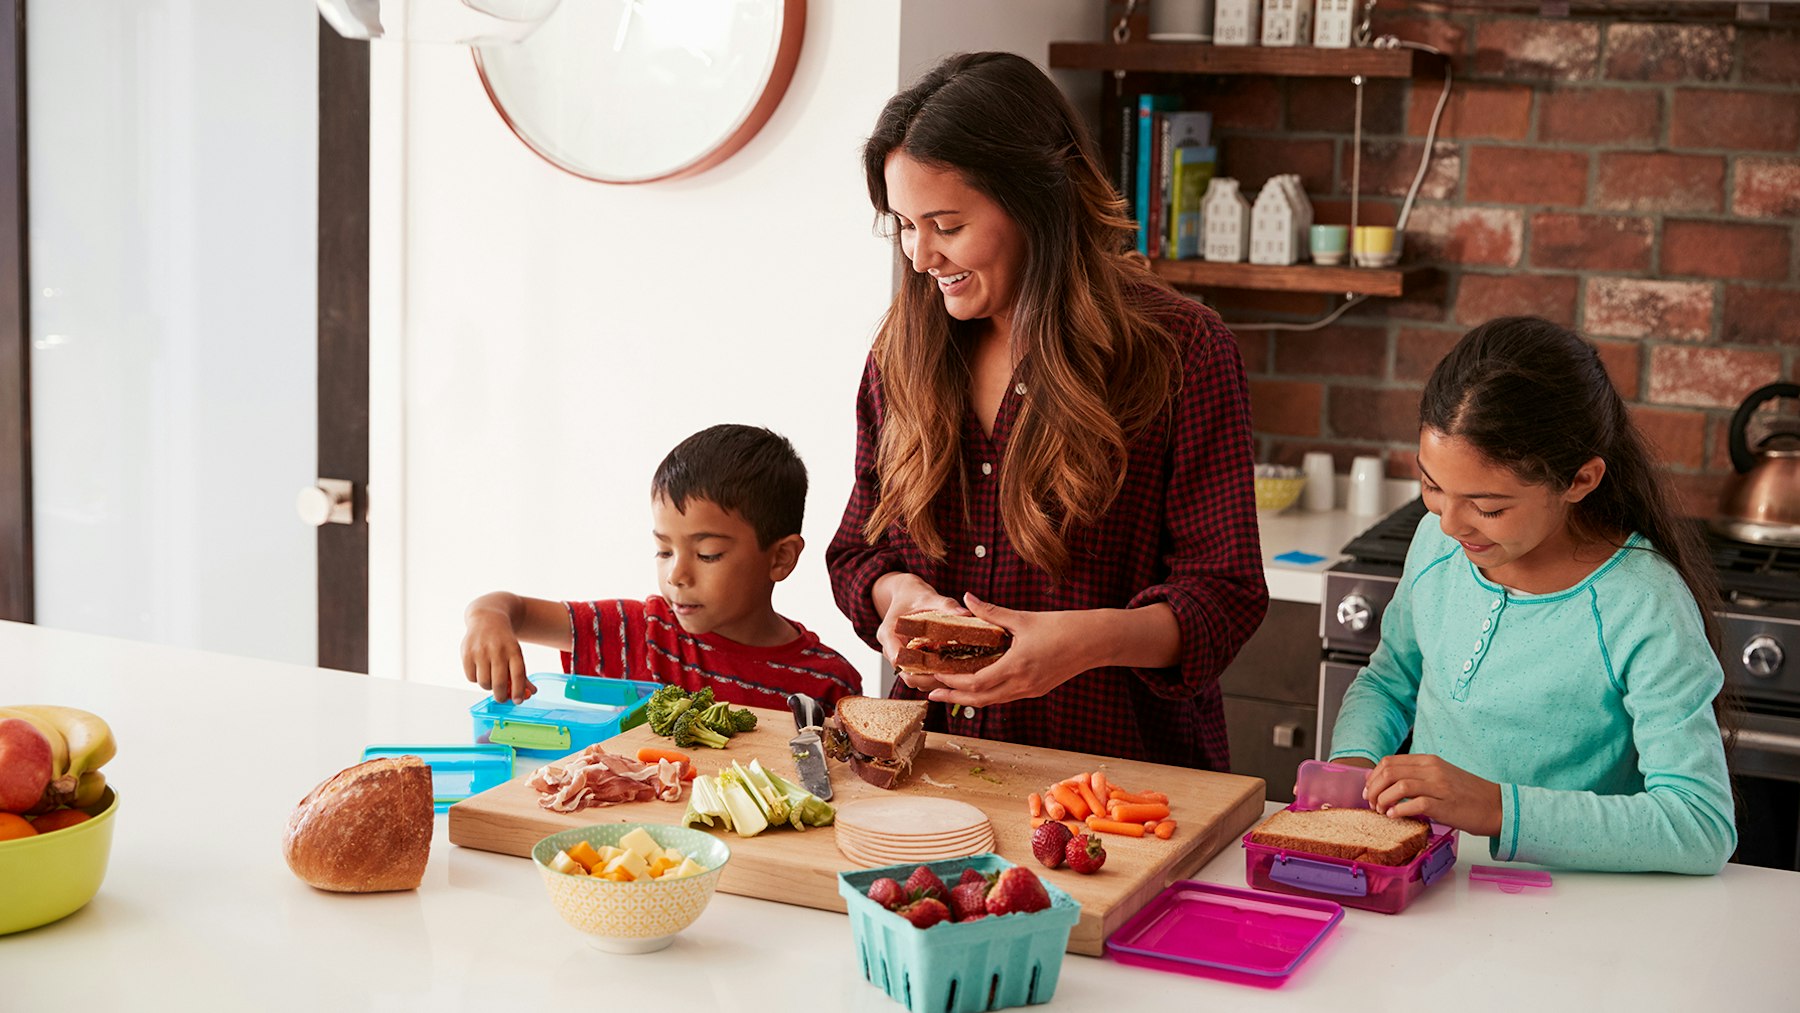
1101 367
1534 397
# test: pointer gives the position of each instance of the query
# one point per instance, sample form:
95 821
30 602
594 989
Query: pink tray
1224 932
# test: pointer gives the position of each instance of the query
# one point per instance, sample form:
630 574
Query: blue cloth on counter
1299 558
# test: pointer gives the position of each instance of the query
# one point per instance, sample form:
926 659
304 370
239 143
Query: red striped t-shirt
625 639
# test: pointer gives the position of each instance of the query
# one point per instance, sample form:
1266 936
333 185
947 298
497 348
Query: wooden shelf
1206 58
1384 281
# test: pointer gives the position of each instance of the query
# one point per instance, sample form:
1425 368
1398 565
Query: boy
726 506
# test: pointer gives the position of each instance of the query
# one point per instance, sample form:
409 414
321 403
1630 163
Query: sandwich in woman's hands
946 643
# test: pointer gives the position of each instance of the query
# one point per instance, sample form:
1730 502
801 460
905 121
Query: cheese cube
640 841
584 853
561 862
688 867
674 857
631 862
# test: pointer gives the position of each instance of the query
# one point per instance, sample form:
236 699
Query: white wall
554 337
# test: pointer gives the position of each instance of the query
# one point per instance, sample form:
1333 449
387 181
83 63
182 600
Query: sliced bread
1360 835
883 729
950 627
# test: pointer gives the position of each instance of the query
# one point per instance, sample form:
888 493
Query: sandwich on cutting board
878 738
947 643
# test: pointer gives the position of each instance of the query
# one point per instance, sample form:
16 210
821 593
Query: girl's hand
492 658
1048 649
909 594
1416 785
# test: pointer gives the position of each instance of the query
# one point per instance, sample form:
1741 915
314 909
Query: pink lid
1201 928
1508 880
1320 785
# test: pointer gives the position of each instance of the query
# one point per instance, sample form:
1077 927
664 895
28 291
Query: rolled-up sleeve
1213 552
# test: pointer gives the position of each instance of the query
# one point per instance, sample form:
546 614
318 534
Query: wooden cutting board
794 867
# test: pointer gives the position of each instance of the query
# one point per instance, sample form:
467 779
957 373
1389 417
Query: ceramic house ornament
1287 22
1335 24
1237 23
1272 223
1226 218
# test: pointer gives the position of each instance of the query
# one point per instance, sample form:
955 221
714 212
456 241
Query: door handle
328 501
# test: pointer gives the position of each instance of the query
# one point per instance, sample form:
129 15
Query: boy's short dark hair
748 470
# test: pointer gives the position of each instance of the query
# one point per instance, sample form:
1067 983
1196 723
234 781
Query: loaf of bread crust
1360 835
365 829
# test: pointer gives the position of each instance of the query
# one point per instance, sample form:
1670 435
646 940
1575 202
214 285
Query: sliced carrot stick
1087 795
1072 801
1102 788
1165 829
651 754
1036 802
1140 813
1056 810
1115 827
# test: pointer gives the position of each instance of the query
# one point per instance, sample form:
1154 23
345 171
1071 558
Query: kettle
1763 503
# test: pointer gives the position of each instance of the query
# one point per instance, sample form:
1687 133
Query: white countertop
199 912
1323 534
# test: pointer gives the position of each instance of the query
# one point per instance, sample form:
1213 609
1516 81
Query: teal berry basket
989 963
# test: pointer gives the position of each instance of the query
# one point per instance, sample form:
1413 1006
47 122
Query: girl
1549 647
1044 426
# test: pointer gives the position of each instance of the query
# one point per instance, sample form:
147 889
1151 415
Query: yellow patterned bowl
1274 495
635 917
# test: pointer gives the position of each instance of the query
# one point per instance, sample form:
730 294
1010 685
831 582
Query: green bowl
53 875
635 917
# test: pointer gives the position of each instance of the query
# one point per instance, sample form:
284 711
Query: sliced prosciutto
595 777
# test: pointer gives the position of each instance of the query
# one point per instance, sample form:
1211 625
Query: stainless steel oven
1760 652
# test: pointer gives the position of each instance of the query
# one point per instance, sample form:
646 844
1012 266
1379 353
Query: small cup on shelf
1329 244
1375 246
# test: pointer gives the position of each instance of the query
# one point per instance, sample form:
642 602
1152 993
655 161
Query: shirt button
1468 666
986 468
980 552
1495 607
1479 644
1487 624
1019 390
968 711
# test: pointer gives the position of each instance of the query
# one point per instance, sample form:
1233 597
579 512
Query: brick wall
1637 181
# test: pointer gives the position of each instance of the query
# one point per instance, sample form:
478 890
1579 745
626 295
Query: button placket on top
980 454
1496 608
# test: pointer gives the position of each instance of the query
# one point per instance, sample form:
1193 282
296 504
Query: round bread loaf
365 829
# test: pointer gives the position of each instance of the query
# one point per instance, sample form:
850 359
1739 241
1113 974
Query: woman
1046 435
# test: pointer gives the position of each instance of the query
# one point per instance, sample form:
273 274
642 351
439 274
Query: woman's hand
906 594
1048 649
1424 785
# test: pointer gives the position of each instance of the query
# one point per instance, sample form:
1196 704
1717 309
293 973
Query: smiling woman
1043 425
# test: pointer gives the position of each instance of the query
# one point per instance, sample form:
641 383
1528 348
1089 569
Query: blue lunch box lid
457 772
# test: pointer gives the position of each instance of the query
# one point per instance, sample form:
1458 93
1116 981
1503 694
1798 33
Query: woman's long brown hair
1100 368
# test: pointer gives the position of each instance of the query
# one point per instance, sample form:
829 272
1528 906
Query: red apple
25 765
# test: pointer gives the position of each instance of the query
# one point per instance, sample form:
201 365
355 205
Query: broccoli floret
743 720
664 706
691 731
703 699
718 718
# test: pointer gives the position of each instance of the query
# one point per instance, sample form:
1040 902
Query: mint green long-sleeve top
1591 707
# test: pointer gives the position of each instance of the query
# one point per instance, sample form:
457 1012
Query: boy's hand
1424 785
492 658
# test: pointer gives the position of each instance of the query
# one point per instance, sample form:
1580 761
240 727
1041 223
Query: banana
89 737
59 746
89 790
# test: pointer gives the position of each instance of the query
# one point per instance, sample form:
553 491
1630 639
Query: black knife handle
807 712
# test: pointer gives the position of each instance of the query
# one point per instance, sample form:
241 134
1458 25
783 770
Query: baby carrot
1165 829
651 754
1098 781
1036 802
1151 825
1054 809
1115 827
1140 813
1087 795
1072 801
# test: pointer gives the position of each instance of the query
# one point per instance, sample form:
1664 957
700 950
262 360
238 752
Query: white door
172 167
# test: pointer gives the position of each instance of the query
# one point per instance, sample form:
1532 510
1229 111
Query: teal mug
1330 243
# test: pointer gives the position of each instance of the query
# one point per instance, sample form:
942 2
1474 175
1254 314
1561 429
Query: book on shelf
1175 129
1194 166
1146 163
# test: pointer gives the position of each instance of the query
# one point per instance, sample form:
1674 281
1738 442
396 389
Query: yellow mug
1374 245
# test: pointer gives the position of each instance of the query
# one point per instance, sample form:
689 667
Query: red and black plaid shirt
1182 531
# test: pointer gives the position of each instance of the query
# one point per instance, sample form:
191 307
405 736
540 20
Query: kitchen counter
199 912
1320 534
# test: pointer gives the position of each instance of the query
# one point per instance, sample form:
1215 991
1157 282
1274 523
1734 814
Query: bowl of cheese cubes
630 886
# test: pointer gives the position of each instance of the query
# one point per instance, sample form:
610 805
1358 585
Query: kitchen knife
808 750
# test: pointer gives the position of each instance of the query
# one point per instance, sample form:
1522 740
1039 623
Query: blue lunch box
567 714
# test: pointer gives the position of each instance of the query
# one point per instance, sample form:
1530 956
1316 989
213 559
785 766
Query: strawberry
1048 842
972 876
925 912
1085 854
887 893
1017 890
925 883
968 901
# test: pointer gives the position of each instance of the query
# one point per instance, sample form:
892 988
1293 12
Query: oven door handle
1769 742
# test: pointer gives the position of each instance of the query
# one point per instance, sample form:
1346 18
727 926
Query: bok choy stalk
747 800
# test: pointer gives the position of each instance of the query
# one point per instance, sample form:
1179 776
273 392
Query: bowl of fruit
975 933
56 812
630 886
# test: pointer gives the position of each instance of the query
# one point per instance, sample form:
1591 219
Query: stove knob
1762 656
1354 613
